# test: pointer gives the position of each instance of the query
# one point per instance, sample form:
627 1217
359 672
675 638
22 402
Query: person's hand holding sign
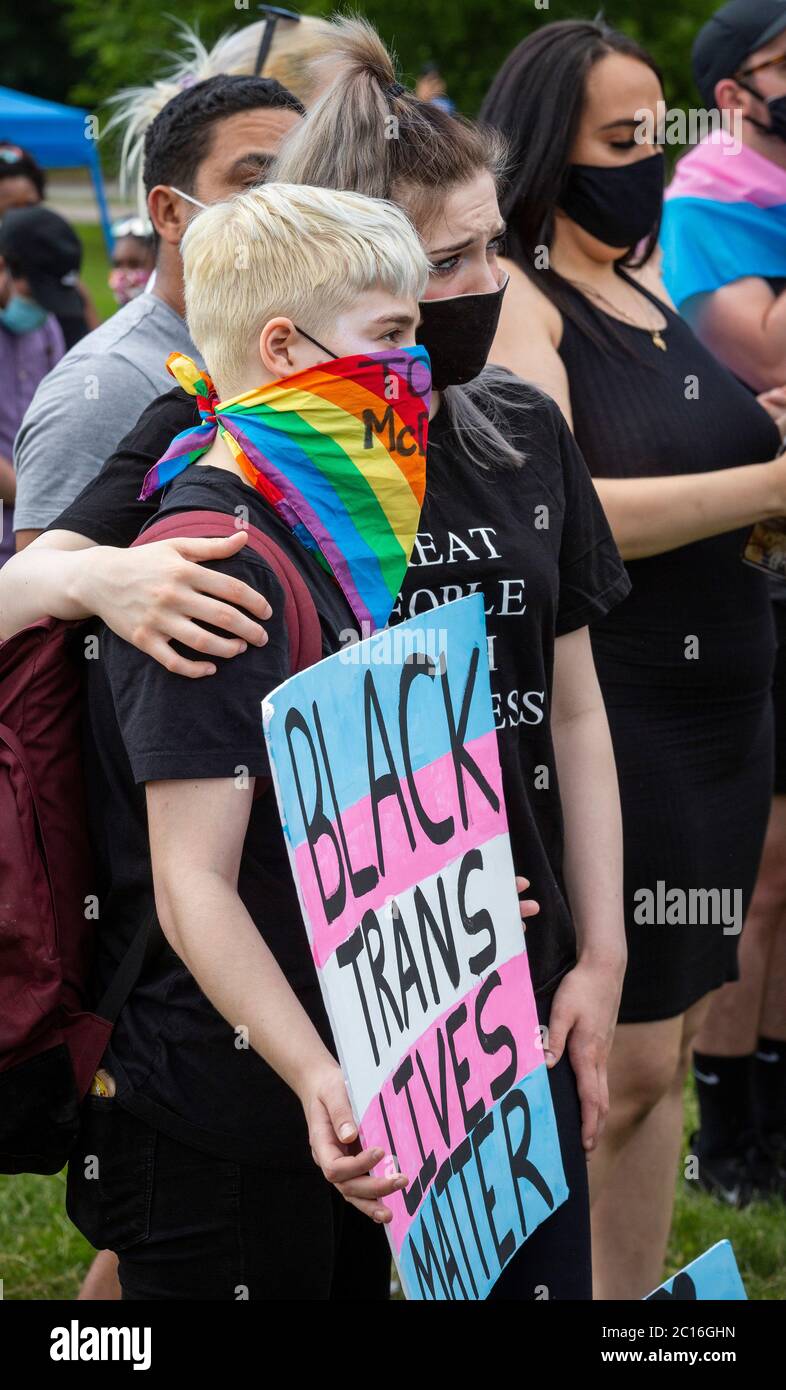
333 1134
528 907
335 1146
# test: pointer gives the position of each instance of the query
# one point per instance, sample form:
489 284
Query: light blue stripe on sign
454 631
463 1236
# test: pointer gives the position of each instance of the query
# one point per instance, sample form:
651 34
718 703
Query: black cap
733 33
47 251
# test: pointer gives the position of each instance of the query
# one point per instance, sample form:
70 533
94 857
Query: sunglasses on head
132 226
272 13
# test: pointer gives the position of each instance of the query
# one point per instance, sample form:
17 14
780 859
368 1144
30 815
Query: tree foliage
119 45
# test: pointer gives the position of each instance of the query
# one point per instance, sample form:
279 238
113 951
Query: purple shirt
25 358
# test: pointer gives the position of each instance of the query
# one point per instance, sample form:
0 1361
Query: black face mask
777 114
457 333
619 204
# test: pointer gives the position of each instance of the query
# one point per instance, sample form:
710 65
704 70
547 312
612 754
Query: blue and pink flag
724 218
385 763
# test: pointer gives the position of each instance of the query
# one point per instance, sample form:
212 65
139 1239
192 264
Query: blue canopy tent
57 136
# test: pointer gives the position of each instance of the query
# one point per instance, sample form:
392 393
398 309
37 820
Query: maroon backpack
50 1042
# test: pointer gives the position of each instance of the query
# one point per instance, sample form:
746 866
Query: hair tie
394 89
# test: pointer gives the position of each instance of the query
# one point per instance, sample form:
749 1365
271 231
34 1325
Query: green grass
757 1234
95 267
42 1256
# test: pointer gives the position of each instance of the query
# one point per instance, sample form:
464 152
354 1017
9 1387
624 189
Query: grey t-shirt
84 407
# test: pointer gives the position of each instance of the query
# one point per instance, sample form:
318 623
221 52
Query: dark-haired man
208 142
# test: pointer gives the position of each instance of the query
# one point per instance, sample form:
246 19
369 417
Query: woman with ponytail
509 511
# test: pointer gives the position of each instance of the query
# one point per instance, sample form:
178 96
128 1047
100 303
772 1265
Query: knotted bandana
338 450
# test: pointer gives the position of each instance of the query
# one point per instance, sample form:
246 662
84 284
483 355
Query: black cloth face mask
457 333
777 113
619 204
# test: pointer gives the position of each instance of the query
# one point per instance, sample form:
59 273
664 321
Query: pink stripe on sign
436 788
510 1003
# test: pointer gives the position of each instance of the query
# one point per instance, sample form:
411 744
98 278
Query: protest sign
385 763
714 1275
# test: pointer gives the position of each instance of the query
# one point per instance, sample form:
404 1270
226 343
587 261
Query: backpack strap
305 648
143 947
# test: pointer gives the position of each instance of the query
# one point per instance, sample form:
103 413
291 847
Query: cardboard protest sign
714 1275
385 763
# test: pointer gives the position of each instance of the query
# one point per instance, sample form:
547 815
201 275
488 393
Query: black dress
685 662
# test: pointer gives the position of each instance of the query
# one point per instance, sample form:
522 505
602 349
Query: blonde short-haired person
208 1188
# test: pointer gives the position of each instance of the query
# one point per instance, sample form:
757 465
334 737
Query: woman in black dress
678 451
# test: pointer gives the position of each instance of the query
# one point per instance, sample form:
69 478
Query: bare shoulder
523 295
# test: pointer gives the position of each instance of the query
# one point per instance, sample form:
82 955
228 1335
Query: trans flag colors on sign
714 1276
385 763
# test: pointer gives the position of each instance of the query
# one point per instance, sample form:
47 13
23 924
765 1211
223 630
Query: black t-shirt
176 1061
533 540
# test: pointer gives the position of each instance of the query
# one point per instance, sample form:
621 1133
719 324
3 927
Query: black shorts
187 1225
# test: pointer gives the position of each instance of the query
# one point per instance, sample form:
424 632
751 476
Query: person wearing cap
52 258
23 185
31 340
724 224
724 239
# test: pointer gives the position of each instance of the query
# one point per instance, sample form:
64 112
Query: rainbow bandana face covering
338 450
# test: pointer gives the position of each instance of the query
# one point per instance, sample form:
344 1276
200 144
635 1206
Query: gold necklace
656 334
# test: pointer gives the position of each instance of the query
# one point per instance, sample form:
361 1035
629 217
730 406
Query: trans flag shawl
339 452
724 218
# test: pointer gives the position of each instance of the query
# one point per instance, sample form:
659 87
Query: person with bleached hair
291 49
220 1080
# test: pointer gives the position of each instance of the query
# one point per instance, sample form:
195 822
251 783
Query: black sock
725 1093
769 1086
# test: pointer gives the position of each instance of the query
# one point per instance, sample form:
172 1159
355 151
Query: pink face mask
127 284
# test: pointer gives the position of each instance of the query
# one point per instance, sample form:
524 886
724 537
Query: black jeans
190 1226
